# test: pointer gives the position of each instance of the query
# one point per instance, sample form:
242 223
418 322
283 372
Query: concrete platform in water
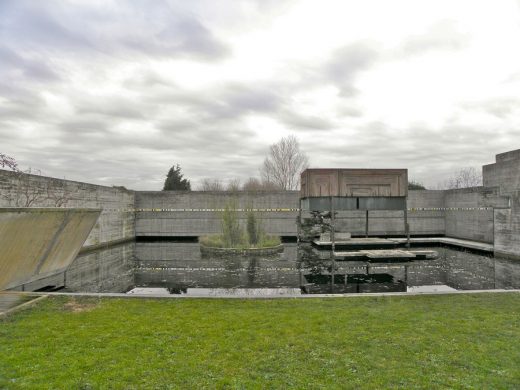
385 254
359 242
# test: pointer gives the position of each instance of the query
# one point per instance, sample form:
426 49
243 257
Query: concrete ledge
508 256
105 245
303 296
238 251
21 306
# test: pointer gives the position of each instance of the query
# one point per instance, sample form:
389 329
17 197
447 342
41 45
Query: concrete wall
36 243
155 217
505 175
117 220
104 270
198 223
507 229
504 172
472 218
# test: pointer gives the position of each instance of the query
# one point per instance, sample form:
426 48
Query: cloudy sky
115 92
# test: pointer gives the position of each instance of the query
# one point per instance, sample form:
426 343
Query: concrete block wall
504 174
105 270
197 223
507 229
473 218
155 216
116 222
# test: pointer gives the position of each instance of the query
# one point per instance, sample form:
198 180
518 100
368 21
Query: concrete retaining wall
504 172
507 229
505 175
117 220
198 223
163 222
473 217
36 243
104 270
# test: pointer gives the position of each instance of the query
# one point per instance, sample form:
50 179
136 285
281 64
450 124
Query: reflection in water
178 266
104 270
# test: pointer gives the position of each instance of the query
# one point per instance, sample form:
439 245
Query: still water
179 267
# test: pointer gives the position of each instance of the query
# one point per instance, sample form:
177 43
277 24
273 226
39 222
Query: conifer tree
175 181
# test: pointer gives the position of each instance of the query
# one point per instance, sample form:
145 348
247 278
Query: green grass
454 341
217 241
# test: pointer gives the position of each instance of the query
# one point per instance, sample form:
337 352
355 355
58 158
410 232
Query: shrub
233 236
231 233
252 229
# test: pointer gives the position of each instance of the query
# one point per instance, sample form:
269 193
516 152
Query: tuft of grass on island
458 341
218 241
235 238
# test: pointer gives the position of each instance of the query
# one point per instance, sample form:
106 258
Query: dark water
176 267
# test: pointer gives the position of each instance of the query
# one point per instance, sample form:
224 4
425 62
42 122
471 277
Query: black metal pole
366 224
406 226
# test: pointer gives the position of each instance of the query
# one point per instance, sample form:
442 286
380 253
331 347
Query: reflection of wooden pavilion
354 189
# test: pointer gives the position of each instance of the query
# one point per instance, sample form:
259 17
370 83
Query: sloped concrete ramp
38 242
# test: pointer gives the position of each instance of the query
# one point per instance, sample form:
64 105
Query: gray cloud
139 28
188 37
347 62
443 35
113 106
14 65
297 121
499 107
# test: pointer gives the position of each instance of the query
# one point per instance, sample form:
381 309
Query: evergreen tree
175 181
415 185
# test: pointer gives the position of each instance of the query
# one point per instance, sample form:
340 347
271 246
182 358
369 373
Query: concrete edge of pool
304 296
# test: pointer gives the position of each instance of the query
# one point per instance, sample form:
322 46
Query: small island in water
235 240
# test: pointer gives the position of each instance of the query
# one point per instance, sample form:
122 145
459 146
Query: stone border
302 296
24 305
211 250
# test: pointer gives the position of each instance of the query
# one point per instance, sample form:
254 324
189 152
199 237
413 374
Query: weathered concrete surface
116 222
507 229
103 270
505 174
10 300
38 242
155 218
472 214
201 222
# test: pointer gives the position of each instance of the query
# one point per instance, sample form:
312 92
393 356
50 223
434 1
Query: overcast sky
115 92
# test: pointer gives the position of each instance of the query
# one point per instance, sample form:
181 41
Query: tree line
280 171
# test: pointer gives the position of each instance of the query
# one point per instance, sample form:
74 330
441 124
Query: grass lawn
456 341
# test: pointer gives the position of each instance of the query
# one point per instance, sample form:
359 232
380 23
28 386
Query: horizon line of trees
280 171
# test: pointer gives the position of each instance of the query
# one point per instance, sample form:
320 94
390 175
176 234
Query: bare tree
211 185
255 184
464 178
233 185
8 162
29 190
284 163
58 193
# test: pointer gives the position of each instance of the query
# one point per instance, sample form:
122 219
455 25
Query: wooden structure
354 189
354 182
